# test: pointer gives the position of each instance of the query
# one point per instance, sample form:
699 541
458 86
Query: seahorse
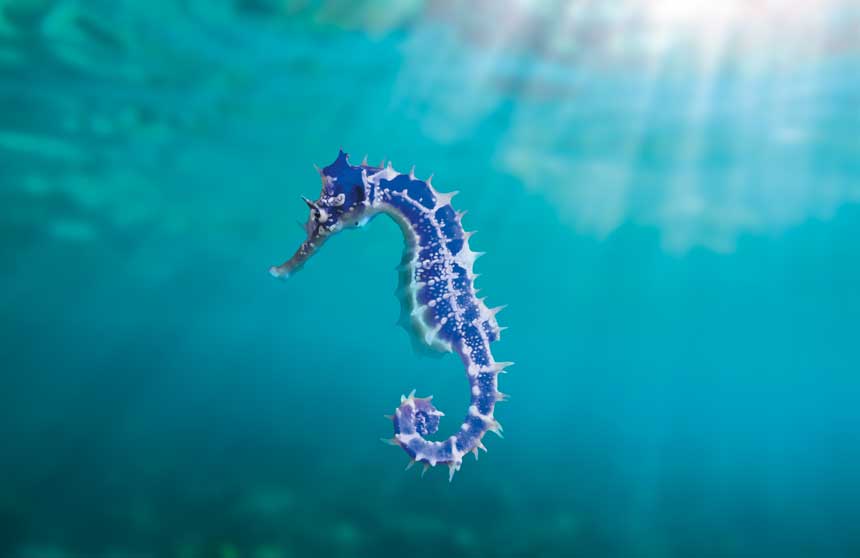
439 302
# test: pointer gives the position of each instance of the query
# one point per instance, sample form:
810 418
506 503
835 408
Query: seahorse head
342 203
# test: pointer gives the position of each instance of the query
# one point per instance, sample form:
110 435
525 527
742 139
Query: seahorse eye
320 215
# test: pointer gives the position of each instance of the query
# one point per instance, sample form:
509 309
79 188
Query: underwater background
668 195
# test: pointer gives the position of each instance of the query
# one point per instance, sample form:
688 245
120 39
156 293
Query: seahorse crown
342 184
438 298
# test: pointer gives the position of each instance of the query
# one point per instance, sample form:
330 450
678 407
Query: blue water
668 200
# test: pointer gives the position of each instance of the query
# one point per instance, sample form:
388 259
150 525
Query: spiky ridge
437 294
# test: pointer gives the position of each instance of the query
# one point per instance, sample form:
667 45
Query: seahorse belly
438 261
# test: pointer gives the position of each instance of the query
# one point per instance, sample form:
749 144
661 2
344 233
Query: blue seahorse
438 297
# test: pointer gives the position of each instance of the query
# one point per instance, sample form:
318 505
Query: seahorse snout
307 249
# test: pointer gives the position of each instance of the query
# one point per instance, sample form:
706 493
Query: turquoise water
668 199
